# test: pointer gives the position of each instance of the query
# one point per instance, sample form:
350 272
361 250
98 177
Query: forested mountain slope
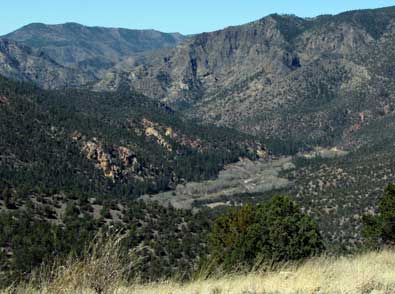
109 143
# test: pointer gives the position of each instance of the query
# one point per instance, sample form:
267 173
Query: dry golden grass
368 273
102 272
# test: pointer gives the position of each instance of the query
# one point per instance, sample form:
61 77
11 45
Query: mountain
117 116
23 63
325 76
91 48
296 83
322 76
290 82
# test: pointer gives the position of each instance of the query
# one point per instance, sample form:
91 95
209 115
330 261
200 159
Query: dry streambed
245 176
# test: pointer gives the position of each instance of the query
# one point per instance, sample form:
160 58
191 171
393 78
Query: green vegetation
271 232
39 154
54 196
379 229
73 163
166 240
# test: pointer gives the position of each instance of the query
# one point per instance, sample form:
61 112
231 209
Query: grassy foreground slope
372 272
369 273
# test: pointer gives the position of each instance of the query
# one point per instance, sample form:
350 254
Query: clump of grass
104 267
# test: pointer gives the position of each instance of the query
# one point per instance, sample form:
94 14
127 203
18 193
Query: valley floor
368 273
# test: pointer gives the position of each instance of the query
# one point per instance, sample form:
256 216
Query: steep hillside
106 143
23 63
91 48
323 76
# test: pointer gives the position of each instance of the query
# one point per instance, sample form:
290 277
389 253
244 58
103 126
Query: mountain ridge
240 75
20 62
91 48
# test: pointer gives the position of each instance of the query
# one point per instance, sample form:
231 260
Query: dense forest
116 144
165 240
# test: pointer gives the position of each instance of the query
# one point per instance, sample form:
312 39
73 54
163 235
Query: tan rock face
94 151
386 109
161 133
170 133
152 132
261 153
128 158
119 163
362 116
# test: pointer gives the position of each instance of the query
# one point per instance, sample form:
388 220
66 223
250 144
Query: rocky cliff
315 75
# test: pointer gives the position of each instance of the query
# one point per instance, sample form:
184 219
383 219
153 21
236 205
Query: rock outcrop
117 163
163 134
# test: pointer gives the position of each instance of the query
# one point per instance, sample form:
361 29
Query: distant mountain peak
91 48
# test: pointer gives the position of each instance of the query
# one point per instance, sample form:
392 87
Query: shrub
103 267
271 232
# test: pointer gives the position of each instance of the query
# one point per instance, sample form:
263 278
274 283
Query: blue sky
170 16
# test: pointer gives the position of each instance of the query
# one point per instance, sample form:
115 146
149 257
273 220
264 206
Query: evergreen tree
379 230
275 231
